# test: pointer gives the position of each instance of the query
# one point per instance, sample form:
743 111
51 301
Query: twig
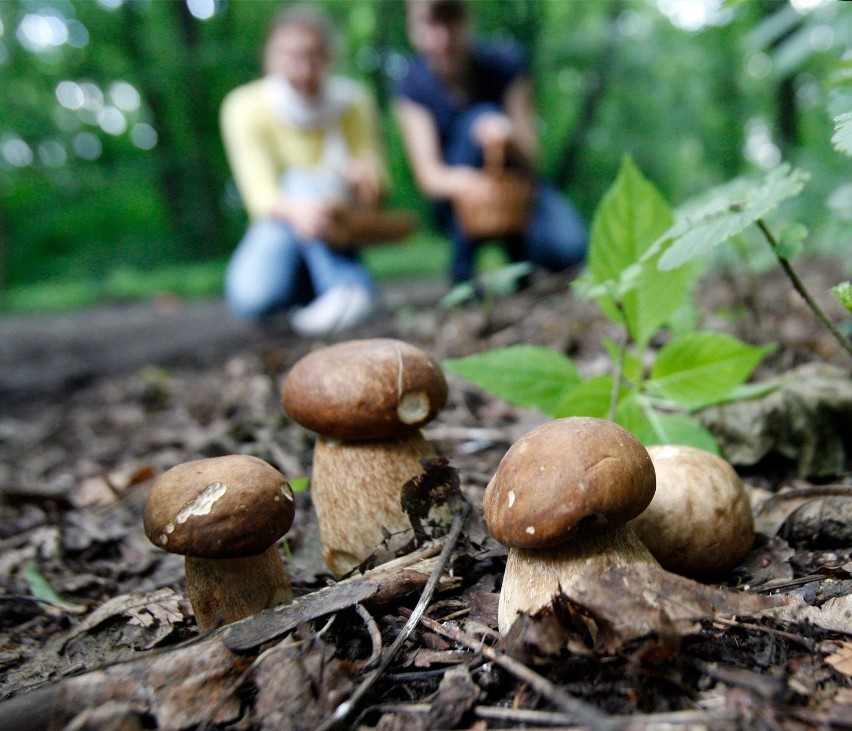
579 710
794 493
375 635
637 721
344 709
803 641
800 287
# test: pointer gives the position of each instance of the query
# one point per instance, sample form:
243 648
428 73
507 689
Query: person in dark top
458 98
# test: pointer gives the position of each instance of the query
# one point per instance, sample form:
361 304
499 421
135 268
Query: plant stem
800 287
619 364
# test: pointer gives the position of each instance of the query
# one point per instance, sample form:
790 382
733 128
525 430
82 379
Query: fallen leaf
645 599
834 615
125 604
457 694
841 660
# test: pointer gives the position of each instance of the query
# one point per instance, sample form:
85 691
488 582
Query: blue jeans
555 236
273 269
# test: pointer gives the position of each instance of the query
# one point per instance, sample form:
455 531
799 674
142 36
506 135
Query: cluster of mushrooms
573 498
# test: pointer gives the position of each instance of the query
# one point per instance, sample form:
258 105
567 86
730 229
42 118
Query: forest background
114 184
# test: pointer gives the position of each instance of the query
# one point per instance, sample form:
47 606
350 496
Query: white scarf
323 113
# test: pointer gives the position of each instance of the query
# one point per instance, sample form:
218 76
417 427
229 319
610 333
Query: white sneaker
338 309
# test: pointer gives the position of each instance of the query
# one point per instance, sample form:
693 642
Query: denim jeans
555 236
273 269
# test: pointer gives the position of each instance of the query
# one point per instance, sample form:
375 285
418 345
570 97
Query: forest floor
96 631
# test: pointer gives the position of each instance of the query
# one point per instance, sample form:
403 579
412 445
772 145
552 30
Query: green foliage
702 368
691 371
631 216
730 210
843 292
842 138
527 375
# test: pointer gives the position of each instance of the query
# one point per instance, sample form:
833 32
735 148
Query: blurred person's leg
329 269
462 149
266 272
556 237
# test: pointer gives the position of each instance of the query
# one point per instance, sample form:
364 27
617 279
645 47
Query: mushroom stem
534 576
224 590
355 489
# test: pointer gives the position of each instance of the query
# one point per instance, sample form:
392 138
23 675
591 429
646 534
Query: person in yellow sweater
300 142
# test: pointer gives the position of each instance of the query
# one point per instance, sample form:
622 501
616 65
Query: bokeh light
144 136
15 151
87 146
124 96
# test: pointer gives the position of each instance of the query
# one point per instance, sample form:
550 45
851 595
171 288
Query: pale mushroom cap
222 507
700 520
564 472
365 389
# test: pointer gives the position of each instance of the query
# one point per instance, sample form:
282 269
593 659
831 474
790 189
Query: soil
97 632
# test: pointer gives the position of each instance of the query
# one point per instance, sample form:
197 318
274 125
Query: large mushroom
225 516
700 521
366 400
560 500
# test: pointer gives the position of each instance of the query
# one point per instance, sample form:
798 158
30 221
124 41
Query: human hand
364 179
460 178
309 219
492 128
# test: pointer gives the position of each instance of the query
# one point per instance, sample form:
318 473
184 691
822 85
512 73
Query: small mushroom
559 500
367 400
225 516
700 521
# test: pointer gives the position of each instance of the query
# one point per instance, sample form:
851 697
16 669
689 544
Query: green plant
737 206
654 393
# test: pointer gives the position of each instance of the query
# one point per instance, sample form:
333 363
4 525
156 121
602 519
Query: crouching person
300 142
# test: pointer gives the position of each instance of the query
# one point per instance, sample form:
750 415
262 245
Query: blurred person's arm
512 129
365 173
251 161
523 139
420 136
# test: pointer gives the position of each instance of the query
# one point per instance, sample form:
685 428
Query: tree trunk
174 89
599 77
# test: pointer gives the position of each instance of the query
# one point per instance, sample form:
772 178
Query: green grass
423 254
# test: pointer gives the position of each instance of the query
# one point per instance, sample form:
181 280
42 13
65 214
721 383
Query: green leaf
843 292
842 137
589 398
662 428
701 368
299 484
728 213
526 375
631 217
44 592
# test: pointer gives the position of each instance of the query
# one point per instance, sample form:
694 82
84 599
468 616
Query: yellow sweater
261 146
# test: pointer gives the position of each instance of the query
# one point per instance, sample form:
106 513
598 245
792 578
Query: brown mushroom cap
564 472
700 520
222 507
365 389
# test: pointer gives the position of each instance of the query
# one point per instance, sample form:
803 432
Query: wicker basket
355 228
498 204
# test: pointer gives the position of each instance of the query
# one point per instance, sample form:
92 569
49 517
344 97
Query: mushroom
225 515
700 521
366 399
560 500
